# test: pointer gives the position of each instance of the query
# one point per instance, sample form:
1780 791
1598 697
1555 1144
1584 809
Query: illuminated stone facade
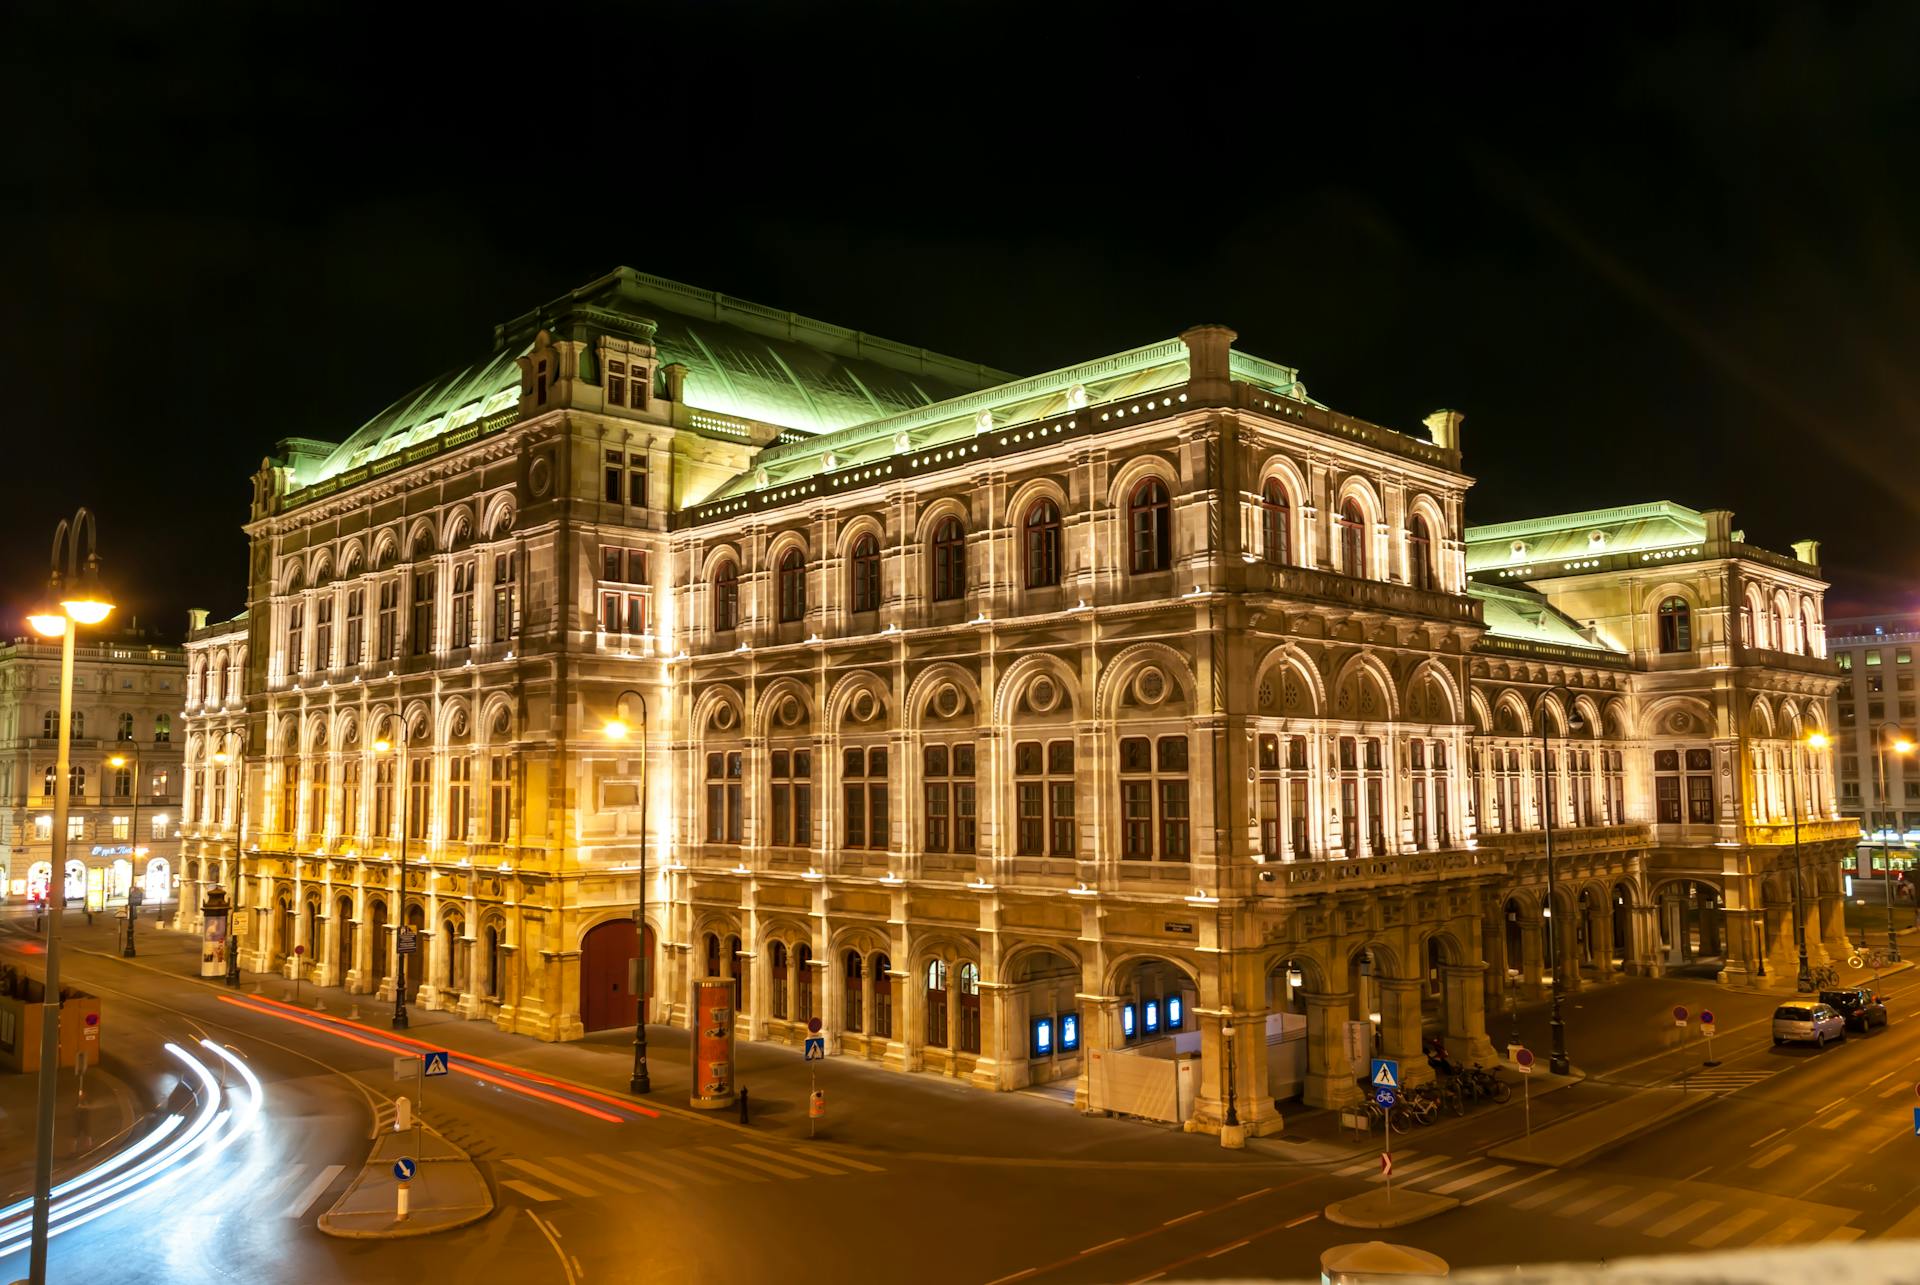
123 821
1021 730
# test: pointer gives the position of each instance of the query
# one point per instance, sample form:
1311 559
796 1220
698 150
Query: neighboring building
1020 729
1876 710
122 820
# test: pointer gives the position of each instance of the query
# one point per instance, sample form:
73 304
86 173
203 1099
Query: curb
1689 1103
1378 1209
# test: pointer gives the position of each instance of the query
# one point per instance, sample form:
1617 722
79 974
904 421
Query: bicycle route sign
1385 1097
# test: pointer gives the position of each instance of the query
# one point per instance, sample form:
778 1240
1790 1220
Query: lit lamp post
619 728
119 761
1558 1062
80 601
400 785
1817 741
239 761
1902 746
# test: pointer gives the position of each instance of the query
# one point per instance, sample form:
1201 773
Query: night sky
1651 257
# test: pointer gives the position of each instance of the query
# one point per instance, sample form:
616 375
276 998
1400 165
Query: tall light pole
400 784
619 728
80 601
239 761
133 834
1903 746
1818 741
1558 1062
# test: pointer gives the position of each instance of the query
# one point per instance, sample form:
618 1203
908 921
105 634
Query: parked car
1862 1009
1808 1023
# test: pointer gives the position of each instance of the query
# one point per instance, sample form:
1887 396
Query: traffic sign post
1706 1033
298 952
403 1170
1523 1061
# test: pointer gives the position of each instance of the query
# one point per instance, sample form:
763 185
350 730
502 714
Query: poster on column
713 1043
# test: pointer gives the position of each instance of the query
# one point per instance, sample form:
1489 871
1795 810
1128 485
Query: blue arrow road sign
816 1050
1916 1122
1385 1097
437 1062
1386 1073
403 1168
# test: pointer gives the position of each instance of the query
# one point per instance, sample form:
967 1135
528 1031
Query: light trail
220 1120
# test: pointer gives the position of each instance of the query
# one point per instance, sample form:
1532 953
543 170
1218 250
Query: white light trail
215 1125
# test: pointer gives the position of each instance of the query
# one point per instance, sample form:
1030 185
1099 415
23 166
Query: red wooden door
605 954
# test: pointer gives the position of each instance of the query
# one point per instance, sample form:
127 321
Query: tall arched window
793 585
866 574
1043 544
1353 539
937 1003
803 979
1276 523
949 560
969 1008
777 968
125 730
1149 519
1420 570
1676 625
726 596
855 992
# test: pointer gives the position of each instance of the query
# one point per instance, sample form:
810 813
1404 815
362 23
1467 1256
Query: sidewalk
447 1191
84 1130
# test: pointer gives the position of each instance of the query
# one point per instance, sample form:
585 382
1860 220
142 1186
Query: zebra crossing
298 1189
1616 1202
1724 1082
597 1175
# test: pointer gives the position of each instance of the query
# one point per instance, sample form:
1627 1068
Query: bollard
400 1210
402 1115
743 1106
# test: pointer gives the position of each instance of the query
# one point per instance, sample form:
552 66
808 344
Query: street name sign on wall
408 942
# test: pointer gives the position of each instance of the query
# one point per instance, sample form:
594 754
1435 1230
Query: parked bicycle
1826 977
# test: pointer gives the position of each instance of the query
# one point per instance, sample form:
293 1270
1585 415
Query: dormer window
626 384
616 383
540 382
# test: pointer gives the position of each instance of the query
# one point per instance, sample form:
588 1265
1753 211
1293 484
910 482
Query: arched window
855 988
882 997
1676 625
1149 520
125 730
492 963
969 1008
937 1003
1353 539
163 727
1276 523
1420 572
49 723
46 786
793 585
726 596
1043 544
803 970
949 560
777 967
866 574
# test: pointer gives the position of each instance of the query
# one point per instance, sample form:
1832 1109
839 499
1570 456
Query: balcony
1363 595
1812 830
1568 841
1399 870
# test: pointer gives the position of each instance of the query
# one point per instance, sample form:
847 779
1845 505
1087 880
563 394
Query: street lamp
1558 1062
75 598
1816 741
1903 746
619 728
239 762
133 834
384 746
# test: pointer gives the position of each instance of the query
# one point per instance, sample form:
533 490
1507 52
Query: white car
1807 1023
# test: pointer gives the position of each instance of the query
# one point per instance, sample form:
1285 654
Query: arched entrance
282 945
1041 1033
605 952
1692 927
1286 1034
310 939
1152 1065
1622 924
423 948
158 884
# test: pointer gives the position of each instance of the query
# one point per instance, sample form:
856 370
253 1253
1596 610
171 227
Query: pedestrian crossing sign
1386 1073
436 1062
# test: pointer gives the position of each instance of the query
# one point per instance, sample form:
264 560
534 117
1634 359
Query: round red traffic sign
299 950
1523 1058
1679 1012
1706 1017
813 1026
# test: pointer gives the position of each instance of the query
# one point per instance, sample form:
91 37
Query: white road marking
1840 1119
1784 1232
553 1239
1540 1198
732 1157
1727 1228
1472 1180
1675 1221
1585 1203
666 1163
311 1192
1171 1222
613 1162
1228 1249
1830 1106
549 1177
1105 1244
592 1175
1843 1234
684 1158
1766 1158
786 1157
1501 1191
842 1158
528 1190
1889 1092
1768 1138
1303 1218
1645 1205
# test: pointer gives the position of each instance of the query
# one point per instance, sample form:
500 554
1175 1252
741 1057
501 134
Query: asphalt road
945 1184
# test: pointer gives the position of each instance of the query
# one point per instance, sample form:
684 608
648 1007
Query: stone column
1467 1039
1330 1081
1531 957
1400 1028
1602 936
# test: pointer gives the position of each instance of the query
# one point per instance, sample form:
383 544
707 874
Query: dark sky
1650 255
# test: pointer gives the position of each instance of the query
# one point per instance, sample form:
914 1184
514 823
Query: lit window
1043 544
1149 519
1676 625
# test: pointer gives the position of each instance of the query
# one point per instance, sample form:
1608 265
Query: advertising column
713 1043
214 939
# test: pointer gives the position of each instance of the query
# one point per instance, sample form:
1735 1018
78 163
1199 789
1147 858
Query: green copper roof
1661 524
1128 374
742 359
1526 616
